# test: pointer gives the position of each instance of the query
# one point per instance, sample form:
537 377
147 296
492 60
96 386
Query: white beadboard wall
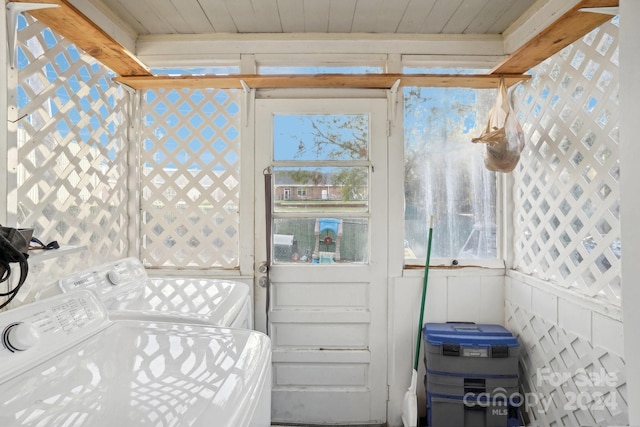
466 295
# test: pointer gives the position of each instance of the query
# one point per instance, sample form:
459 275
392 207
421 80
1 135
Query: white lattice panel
191 179
566 186
566 380
71 145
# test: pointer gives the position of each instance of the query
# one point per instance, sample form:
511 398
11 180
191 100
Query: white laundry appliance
65 363
128 292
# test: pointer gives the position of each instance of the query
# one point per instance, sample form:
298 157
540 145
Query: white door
327 304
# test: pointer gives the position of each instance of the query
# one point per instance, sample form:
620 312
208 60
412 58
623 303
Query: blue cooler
472 375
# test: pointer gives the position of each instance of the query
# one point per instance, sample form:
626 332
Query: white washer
129 293
65 363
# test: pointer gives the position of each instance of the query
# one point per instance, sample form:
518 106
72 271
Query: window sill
412 263
446 267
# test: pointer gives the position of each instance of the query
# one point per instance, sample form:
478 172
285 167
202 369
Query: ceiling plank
358 81
440 14
78 29
464 16
414 16
316 16
291 15
341 15
570 27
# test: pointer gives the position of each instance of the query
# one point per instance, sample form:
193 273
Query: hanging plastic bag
503 136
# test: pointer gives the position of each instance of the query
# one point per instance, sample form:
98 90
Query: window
335 69
199 71
325 157
445 174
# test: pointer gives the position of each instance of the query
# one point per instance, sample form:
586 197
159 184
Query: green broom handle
424 294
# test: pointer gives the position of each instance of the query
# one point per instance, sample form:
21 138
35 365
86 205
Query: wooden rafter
570 27
80 30
358 81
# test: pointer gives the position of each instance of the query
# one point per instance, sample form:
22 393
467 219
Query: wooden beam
357 81
565 30
69 22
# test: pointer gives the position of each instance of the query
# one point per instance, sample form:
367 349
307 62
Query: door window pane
316 137
320 188
326 189
320 240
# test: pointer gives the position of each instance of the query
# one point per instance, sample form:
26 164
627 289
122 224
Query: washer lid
129 293
212 301
137 373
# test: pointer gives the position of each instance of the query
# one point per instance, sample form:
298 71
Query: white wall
466 295
630 202
3 112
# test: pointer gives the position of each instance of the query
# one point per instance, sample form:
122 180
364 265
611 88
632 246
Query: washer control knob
114 277
20 336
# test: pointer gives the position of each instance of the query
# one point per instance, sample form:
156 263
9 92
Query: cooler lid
465 334
473 341
466 328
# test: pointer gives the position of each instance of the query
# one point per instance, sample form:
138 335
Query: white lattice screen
566 185
567 232
565 379
191 179
72 164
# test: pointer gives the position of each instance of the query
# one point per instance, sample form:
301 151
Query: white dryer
65 363
129 293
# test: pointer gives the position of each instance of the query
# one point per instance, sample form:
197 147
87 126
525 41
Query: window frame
503 207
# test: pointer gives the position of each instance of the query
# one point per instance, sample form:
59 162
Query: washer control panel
38 330
117 283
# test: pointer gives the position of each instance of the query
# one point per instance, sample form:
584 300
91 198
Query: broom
410 404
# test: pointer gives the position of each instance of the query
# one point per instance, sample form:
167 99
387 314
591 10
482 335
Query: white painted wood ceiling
151 17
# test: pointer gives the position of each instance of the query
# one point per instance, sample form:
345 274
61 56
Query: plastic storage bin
460 412
471 375
462 348
460 385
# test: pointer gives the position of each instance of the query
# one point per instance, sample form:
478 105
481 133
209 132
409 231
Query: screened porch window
445 174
